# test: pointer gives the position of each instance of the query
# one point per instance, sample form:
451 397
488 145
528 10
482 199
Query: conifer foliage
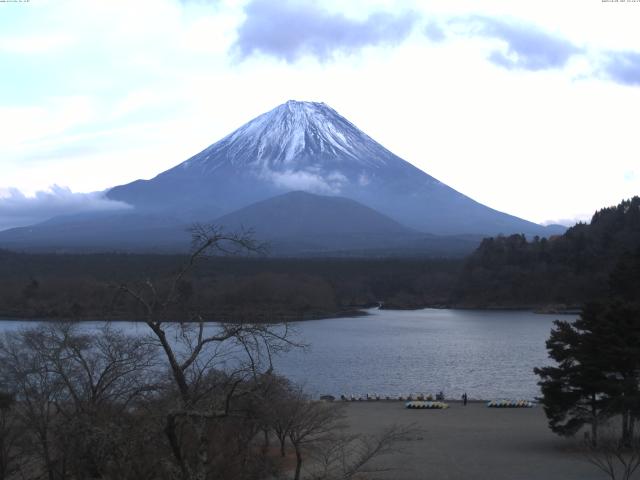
597 375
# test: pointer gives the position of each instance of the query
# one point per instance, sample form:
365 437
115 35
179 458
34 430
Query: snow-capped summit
297 145
290 131
310 147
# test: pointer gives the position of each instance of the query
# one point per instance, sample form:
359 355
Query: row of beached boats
491 404
426 405
510 404
422 397
428 401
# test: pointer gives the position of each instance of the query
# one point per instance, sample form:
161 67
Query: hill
301 223
564 270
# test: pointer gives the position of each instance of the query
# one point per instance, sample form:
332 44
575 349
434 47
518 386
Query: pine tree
573 391
598 369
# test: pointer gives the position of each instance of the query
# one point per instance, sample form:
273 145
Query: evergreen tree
618 331
573 391
598 369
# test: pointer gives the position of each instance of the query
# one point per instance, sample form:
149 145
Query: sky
529 107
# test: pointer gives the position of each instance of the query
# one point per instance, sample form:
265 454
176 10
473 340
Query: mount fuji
308 146
302 147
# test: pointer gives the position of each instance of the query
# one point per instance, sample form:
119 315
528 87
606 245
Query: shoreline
446 400
339 314
543 309
344 313
455 401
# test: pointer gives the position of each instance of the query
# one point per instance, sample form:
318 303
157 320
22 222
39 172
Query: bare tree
280 414
103 374
618 458
38 391
193 348
105 368
72 391
343 457
311 423
10 434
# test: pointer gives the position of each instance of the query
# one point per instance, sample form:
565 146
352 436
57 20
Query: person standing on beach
464 399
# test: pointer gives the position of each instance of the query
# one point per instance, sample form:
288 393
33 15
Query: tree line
565 270
226 288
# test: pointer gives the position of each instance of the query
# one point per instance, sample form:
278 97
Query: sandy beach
472 442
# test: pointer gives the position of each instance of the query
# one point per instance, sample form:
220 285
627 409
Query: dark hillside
564 270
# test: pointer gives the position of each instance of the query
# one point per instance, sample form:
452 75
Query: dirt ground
472 442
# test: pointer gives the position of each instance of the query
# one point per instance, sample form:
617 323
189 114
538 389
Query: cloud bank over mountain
17 209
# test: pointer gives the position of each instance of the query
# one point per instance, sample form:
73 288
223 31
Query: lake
488 354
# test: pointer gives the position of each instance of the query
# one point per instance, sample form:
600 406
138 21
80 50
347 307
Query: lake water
488 354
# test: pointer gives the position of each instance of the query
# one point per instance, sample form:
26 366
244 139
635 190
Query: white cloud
17 209
291 30
309 181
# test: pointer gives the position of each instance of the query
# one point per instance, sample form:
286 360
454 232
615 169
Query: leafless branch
615 458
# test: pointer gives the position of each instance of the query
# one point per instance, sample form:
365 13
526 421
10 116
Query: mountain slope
101 231
301 213
295 223
309 146
304 222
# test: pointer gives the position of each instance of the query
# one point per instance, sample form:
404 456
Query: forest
555 273
562 270
227 288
